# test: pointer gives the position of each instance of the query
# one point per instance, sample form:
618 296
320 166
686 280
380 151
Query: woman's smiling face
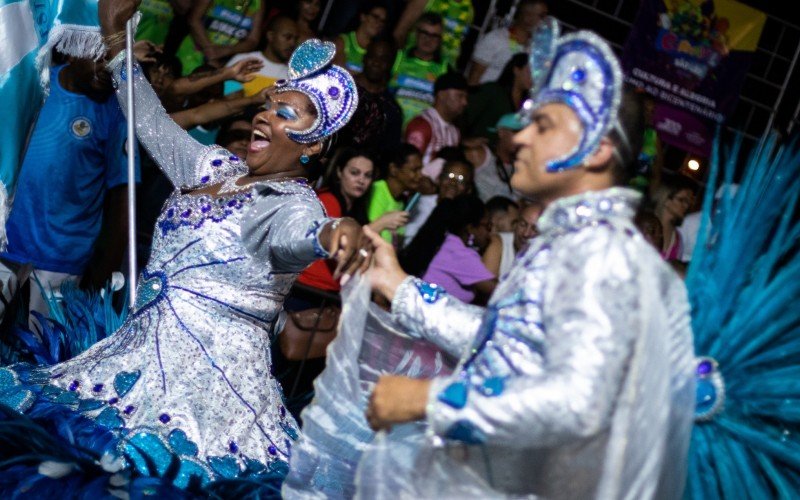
271 150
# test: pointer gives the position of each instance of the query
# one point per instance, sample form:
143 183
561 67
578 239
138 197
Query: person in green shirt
416 69
351 47
456 14
389 195
220 29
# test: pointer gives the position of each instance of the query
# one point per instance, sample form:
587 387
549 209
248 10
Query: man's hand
396 400
244 70
347 243
146 51
386 274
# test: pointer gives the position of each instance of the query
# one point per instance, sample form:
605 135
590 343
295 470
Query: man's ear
601 158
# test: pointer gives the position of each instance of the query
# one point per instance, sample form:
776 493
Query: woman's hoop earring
304 159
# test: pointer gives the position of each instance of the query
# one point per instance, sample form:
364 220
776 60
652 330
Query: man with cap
493 177
434 128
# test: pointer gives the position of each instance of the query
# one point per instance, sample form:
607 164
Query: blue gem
233 158
113 401
216 162
205 179
181 444
205 208
97 388
57 375
128 409
706 396
272 450
282 411
454 395
233 447
74 385
124 382
705 367
578 75
164 418
186 213
333 92
171 212
232 203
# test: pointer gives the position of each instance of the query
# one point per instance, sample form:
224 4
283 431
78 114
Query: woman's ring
363 252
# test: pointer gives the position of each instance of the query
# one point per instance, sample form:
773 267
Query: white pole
131 166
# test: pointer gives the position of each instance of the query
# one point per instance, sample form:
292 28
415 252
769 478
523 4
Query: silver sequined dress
577 381
189 371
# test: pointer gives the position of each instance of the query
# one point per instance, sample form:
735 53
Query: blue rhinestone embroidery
150 289
181 444
430 292
193 211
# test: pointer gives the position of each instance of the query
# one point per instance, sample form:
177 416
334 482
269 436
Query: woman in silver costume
577 380
188 374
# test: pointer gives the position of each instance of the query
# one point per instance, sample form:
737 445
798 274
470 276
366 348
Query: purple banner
692 56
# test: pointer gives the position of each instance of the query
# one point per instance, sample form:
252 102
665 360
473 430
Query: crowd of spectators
426 160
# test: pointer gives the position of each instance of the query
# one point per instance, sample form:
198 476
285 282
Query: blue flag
29 29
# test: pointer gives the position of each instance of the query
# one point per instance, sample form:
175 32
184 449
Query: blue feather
743 287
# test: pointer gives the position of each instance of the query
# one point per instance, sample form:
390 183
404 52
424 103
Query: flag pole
131 143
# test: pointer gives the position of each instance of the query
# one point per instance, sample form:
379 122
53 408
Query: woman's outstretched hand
113 14
385 275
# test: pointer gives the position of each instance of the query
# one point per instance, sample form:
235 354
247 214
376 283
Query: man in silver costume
577 380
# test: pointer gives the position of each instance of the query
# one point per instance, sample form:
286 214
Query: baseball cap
509 121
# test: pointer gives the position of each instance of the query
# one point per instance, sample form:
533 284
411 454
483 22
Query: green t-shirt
226 22
353 52
154 24
412 83
381 201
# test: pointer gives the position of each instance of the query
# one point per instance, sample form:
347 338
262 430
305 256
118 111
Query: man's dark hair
628 135
506 78
272 24
430 18
500 204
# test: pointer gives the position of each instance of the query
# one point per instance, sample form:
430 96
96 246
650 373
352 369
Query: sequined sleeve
591 312
426 311
173 149
283 225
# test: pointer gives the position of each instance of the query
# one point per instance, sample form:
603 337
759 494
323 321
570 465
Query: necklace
229 186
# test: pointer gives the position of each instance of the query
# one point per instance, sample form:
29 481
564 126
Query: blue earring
304 158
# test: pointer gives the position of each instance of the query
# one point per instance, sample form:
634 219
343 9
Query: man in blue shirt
71 185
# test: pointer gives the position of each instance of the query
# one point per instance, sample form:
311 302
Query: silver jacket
577 380
189 371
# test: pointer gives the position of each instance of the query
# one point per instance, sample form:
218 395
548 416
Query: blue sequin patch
109 418
224 466
12 394
466 432
150 289
181 444
430 292
124 382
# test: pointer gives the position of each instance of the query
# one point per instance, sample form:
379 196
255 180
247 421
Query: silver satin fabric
335 431
207 302
580 377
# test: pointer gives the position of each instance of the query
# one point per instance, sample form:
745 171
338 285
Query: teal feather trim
744 288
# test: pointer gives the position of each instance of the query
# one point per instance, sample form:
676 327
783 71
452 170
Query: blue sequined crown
331 89
581 71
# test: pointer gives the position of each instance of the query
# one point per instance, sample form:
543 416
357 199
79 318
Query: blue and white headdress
583 73
331 89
